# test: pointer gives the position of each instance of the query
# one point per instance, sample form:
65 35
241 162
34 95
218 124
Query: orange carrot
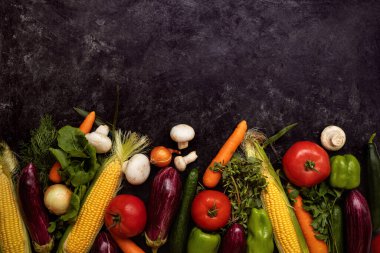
305 219
211 178
127 245
85 127
54 175
87 123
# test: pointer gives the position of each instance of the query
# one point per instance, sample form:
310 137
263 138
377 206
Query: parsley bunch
319 201
243 183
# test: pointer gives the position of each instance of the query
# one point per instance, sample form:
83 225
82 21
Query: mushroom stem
181 162
337 140
183 145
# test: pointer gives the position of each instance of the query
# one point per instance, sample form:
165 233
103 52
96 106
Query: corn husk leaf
252 148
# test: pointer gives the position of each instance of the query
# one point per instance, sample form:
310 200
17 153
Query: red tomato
211 210
125 216
306 164
375 247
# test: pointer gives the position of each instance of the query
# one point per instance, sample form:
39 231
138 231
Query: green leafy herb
79 166
76 156
37 150
72 141
319 201
243 183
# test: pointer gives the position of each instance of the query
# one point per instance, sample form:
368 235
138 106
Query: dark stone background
205 63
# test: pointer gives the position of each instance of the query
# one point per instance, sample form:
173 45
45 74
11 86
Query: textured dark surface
205 63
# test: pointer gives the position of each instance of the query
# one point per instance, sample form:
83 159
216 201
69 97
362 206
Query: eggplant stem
371 138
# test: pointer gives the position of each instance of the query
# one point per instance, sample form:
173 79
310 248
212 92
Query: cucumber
180 229
337 229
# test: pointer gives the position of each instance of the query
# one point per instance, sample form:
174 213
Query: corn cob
90 218
286 229
80 236
13 234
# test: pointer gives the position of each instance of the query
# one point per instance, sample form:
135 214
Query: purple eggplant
234 240
104 244
358 220
34 212
164 201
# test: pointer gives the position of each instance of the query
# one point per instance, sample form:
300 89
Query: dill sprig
37 150
243 183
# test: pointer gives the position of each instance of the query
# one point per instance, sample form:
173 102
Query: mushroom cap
182 133
333 138
103 129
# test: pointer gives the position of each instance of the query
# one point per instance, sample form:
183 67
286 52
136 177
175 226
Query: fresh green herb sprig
79 166
319 201
37 150
243 183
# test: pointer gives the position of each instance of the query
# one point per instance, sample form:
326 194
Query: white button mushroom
100 140
103 129
181 162
137 169
333 138
182 134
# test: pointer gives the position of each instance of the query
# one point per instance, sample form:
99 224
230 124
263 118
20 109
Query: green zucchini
373 165
337 229
180 228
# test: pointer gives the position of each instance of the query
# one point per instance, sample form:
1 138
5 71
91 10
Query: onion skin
104 244
234 240
164 201
358 223
161 156
34 212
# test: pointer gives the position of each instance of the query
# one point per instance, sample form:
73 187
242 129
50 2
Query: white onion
57 198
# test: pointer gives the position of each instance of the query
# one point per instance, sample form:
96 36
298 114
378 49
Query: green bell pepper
200 241
345 172
260 232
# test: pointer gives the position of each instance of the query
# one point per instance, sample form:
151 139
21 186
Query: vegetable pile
63 195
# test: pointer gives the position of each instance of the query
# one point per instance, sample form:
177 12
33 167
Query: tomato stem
116 219
213 212
310 165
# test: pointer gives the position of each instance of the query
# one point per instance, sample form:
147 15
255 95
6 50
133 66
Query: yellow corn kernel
287 232
91 215
13 235
280 217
